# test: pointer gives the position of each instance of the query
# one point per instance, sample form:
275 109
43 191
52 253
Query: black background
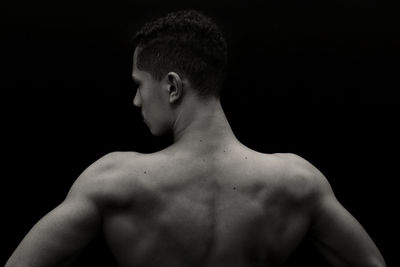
316 78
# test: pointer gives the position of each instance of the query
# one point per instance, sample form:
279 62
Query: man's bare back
220 206
206 200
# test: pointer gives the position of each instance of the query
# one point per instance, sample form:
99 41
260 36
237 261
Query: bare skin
207 200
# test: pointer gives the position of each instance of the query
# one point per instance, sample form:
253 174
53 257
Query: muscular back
222 207
199 205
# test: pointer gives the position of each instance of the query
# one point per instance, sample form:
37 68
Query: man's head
179 54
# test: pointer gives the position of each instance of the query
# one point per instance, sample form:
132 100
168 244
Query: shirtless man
207 200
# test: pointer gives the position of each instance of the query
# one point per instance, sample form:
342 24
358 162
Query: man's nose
137 101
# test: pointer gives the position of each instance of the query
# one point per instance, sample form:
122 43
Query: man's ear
175 87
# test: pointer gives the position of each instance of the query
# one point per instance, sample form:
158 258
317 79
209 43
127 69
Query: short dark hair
188 43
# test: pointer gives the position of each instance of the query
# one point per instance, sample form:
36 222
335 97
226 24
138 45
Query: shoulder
108 178
301 179
111 165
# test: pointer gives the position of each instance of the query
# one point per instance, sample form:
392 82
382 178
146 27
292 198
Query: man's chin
157 132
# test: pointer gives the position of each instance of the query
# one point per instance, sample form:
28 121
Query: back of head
185 42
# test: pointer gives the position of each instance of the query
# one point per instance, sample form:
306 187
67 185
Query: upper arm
61 234
336 233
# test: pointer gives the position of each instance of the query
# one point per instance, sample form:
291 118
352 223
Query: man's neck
202 122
